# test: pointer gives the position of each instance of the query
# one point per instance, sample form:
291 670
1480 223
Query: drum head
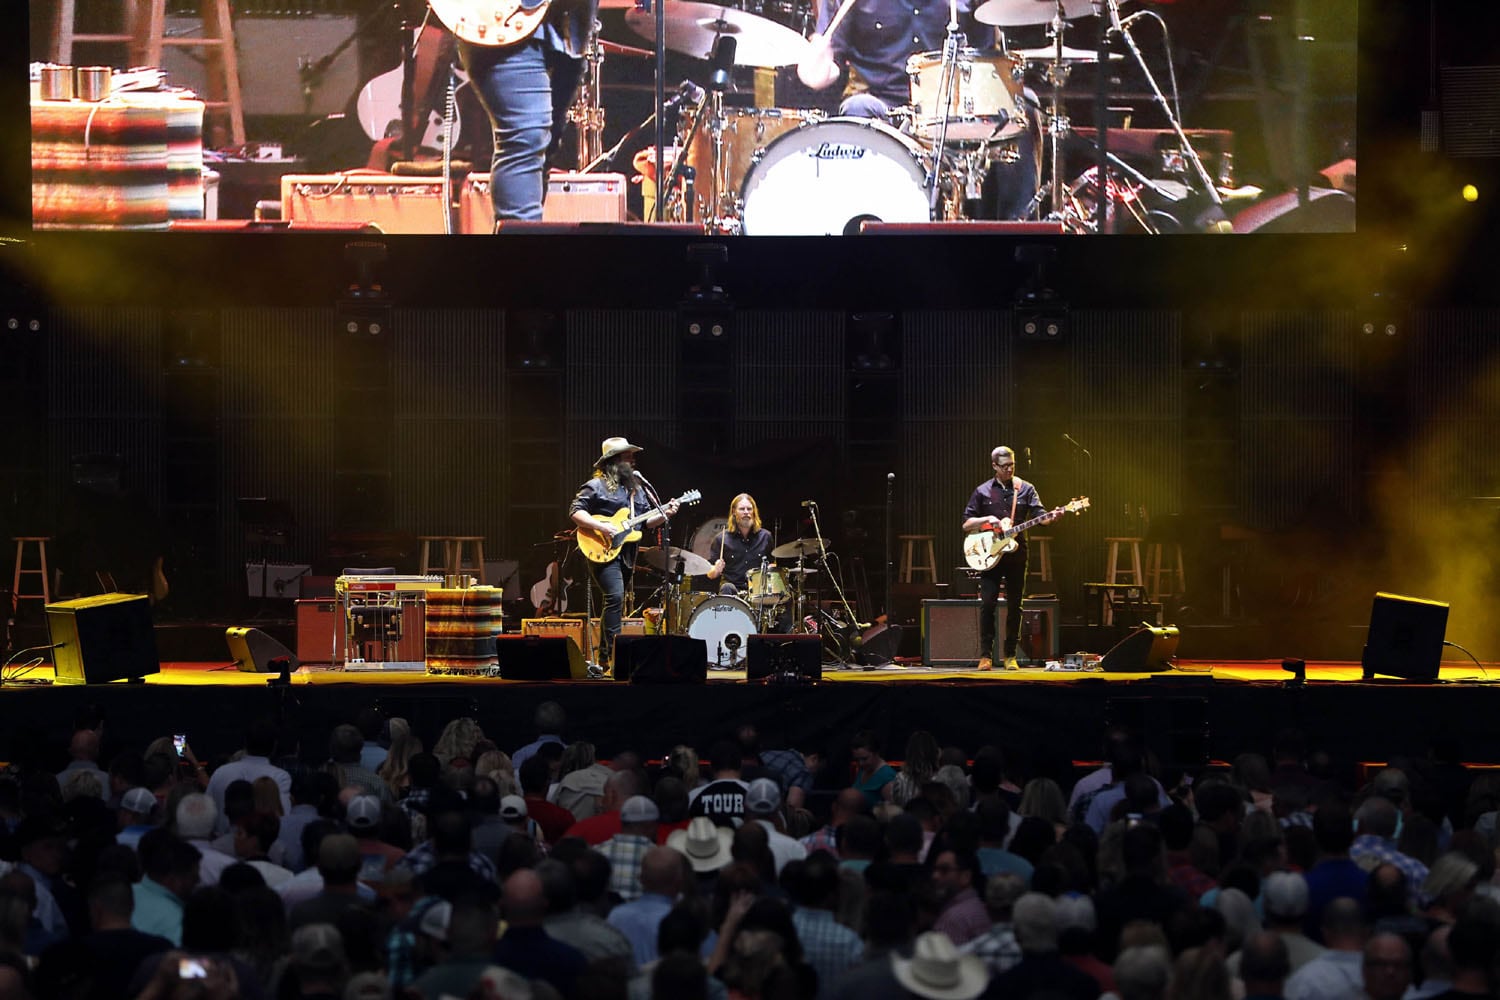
725 625
703 537
828 177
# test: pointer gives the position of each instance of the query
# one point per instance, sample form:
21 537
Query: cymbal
693 28
692 563
801 547
1047 53
1013 13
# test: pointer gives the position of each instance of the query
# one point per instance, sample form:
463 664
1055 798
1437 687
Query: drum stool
16 593
910 569
1114 572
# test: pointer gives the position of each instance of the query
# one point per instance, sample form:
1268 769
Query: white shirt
248 768
1333 975
783 848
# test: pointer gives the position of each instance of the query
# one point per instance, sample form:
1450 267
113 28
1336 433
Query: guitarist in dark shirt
613 487
1010 497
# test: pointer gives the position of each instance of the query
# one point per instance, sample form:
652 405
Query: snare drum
829 176
746 132
725 624
768 588
985 101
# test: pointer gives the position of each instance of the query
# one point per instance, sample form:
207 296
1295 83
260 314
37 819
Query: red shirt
551 817
596 829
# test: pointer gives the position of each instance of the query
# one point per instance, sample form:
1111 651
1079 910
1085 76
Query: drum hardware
1213 219
587 110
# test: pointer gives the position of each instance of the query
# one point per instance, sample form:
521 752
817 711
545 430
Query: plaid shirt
826 839
625 851
1368 850
996 947
789 767
420 860
830 947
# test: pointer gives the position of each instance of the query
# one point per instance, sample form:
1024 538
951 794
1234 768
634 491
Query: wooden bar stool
1164 574
1042 567
144 33
1114 572
909 568
16 593
470 561
424 562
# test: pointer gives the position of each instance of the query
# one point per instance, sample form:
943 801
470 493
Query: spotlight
1298 670
1470 193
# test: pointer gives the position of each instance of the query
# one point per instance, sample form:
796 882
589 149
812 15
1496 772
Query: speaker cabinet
661 659
786 656
103 638
321 628
1148 649
252 651
1405 638
950 630
539 658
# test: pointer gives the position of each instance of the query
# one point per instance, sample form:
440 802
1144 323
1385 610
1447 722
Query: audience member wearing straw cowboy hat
706 846
936 970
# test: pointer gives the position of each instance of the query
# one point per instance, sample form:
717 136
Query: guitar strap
1015 494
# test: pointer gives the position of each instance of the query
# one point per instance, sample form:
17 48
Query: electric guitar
601 549
983 549
489 22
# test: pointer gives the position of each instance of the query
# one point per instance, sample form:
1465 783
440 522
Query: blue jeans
526 89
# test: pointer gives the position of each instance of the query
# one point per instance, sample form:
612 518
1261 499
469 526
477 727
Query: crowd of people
393 868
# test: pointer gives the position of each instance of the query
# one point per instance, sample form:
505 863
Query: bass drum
725 624
826 178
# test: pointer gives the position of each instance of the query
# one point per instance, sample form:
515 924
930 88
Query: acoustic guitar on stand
601 549
983 549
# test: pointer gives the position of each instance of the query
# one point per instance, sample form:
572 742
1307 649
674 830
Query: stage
1201 710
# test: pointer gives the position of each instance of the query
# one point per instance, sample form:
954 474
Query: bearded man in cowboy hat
614 486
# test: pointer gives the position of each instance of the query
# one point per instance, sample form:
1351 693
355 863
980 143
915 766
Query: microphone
689 91
809 503
723 62
890 477
1069 438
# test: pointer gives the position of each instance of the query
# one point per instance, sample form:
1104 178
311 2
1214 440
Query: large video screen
778 117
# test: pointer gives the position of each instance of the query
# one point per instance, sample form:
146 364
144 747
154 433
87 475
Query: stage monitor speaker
1148 649
252 651
950 630
878 645
783 656
661 659
1405 638
103 638
539 658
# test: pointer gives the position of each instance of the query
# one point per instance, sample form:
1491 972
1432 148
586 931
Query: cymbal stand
1058 123
947 71
1217 220
587 110
700 110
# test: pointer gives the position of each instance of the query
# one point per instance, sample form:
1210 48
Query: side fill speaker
784 656
661 659
252 651
1147 649
103 638
539 658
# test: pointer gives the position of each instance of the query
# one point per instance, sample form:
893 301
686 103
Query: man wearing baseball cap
638 818
614 486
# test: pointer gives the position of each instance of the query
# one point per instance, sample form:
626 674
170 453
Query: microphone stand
1121 29
674 574
1088 490
890 500
946 74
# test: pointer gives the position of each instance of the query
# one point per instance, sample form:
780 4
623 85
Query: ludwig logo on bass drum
839 151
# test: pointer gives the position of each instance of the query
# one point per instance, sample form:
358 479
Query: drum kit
776 598
799 171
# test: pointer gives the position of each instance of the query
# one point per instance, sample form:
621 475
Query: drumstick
837 17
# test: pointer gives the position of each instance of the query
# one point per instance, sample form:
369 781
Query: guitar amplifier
950 630
321 628
571 197
390 203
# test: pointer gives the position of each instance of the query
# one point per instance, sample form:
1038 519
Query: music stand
265 522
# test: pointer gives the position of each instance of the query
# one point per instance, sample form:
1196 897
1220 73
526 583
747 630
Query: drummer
873 42
739 548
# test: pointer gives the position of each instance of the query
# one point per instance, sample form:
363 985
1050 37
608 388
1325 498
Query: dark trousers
1009 572
614 579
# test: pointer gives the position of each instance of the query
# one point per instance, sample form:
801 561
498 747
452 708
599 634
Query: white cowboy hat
705 845
938 971
612 447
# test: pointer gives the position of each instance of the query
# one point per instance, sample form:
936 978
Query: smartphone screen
178 742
